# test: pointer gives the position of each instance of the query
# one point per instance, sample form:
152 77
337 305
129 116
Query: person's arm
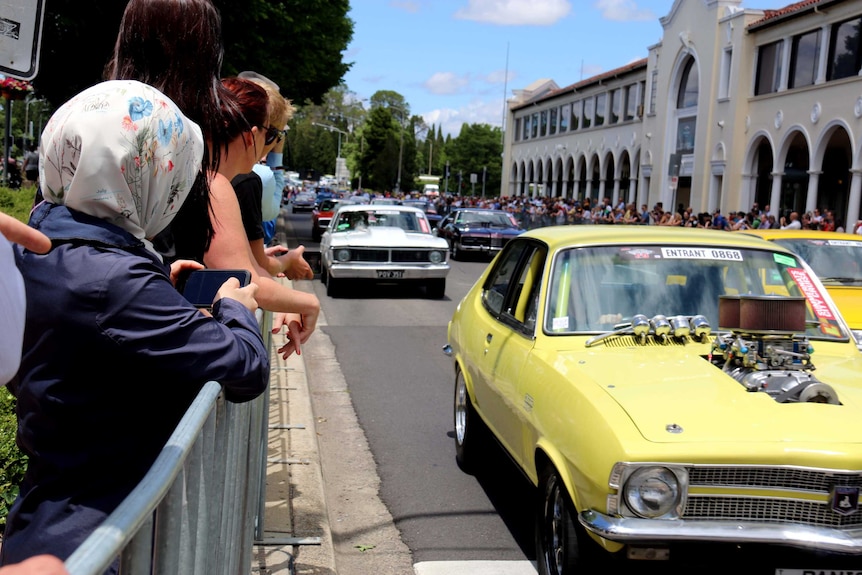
38 565
230 249
150 321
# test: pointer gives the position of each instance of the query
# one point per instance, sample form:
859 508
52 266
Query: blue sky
448 58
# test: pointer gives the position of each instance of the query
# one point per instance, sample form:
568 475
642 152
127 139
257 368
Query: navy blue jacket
113 356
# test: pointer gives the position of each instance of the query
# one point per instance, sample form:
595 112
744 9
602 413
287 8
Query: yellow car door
508 341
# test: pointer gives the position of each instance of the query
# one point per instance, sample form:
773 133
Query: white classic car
383 243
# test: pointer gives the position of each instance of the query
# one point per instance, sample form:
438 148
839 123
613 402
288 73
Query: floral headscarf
123 152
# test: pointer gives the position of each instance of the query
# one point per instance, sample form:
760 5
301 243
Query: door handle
488 338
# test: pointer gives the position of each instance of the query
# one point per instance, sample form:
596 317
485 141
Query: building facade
734 106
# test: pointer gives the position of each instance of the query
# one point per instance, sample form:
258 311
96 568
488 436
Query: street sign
20 37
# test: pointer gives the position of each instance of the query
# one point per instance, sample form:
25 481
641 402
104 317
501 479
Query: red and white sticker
812 294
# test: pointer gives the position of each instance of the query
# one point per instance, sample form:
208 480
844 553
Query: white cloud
443 83
515 12
499 77
406 5
623 10
476 112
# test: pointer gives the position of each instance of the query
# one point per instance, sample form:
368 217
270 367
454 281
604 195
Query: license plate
817 571
390 274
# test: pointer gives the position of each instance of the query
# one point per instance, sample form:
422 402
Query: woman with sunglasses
260 202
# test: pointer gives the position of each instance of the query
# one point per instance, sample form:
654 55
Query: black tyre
470 430
436 288
324 277
333 286
316 234
562 545
457 252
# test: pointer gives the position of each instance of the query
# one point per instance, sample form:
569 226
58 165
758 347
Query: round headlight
436 257
342 255
652 492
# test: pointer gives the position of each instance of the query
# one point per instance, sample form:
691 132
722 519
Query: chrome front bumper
411 272
636 530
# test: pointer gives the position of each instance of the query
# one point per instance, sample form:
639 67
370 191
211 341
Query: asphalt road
388 345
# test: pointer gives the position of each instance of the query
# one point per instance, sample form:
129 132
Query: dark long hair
176 47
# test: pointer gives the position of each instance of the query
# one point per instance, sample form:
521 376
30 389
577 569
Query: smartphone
201 286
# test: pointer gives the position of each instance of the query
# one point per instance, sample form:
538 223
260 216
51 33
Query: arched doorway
763 162
610 190
595 180
582 178
794 182
569 189
681 164
833 190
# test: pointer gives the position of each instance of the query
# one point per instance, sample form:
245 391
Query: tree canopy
296 43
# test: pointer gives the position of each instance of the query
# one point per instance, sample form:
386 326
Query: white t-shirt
12 312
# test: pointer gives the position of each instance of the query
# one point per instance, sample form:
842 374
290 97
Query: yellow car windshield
593 289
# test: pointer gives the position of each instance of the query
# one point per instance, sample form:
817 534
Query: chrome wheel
557 537
469 427
461 400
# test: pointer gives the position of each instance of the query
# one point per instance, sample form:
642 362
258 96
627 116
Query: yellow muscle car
677 395
836 258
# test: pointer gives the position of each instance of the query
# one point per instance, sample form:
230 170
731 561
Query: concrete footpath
323 512
296 522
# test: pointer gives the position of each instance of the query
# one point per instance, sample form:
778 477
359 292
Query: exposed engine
767 350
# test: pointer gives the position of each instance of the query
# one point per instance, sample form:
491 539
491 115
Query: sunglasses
272 134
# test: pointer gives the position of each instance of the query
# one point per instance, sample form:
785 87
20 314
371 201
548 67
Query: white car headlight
652 492
342 255
436 257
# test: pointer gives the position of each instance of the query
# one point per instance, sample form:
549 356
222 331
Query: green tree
296 43
378 161
477 150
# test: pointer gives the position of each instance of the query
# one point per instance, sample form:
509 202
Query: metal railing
200 506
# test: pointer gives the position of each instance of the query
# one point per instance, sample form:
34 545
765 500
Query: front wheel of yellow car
469 427
562 546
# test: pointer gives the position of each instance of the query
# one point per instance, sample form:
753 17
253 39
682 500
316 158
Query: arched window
688 91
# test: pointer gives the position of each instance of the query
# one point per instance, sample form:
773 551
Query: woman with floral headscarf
113 354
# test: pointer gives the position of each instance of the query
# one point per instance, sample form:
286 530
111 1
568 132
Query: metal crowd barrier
200 507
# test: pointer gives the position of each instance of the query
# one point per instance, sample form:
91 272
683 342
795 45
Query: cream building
733 106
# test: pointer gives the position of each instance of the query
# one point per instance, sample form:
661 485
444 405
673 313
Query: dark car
427 207
477 230
302 202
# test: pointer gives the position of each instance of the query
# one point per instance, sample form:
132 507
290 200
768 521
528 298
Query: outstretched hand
294 265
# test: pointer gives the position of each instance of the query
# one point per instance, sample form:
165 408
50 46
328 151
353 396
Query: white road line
475 568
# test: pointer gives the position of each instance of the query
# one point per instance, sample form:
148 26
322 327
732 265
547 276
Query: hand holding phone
231 289
202 286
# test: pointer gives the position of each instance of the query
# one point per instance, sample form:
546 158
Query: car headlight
342 255
436 257
652 492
